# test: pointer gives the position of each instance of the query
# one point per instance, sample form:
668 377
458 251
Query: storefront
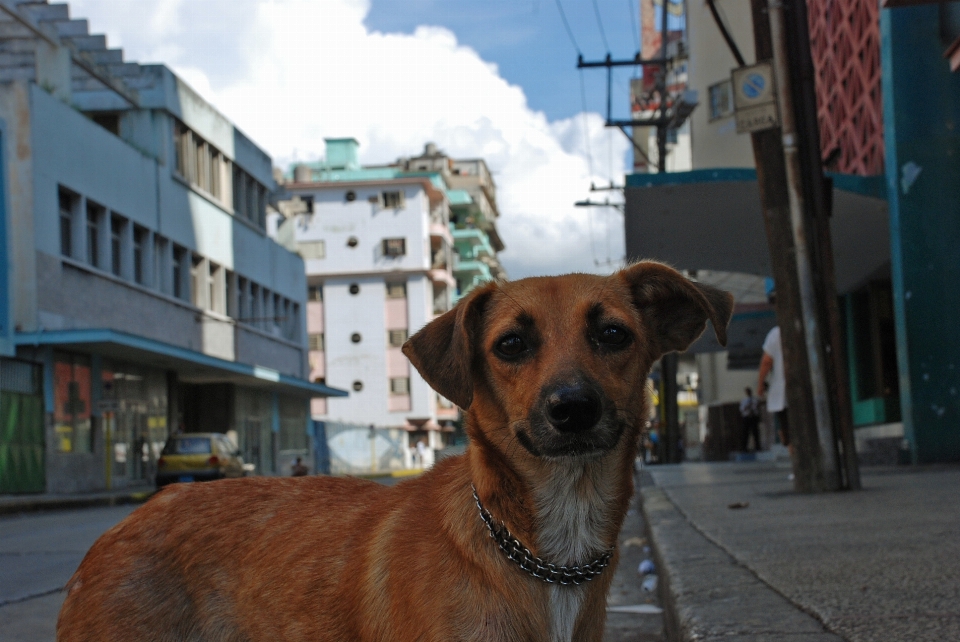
111 400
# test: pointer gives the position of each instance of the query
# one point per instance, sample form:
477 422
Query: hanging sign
754 98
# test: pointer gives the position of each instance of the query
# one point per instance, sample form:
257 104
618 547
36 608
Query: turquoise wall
922 140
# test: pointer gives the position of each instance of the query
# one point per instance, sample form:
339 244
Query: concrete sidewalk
29 502
743 557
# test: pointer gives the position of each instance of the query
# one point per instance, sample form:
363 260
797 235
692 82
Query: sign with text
754 98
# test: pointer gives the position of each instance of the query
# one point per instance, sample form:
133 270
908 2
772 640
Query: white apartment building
378 254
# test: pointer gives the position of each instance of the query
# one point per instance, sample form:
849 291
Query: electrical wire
586 124
603 34
633 24
563 16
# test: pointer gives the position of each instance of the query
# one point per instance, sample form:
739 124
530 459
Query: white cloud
291 72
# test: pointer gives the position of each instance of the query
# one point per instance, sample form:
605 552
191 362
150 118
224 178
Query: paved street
748 558
38 554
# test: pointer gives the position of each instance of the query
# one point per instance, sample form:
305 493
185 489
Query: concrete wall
716 143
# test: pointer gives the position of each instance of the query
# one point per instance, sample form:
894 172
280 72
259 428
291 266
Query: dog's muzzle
572 409
572 418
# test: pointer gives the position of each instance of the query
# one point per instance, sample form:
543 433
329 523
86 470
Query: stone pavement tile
878 564
710 595
33 620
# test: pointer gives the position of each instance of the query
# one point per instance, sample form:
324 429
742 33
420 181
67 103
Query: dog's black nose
574 409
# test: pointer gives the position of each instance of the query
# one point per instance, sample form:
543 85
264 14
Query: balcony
472 243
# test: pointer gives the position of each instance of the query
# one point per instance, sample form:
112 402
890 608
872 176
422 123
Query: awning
711 220
191 366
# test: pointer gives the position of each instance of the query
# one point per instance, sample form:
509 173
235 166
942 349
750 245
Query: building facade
143 294
387 249
886 104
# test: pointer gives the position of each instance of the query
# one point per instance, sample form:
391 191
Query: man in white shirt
772 364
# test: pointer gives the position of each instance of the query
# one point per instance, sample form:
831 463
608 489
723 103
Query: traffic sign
754 98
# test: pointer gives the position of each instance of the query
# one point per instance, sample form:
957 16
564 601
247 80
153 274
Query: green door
21 443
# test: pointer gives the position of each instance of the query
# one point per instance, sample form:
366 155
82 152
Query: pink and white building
377 249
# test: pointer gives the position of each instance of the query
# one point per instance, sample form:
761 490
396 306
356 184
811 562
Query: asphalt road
38 554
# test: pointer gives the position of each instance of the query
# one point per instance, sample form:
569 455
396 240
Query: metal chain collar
534 565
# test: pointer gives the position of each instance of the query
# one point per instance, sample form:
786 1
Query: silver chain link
534 565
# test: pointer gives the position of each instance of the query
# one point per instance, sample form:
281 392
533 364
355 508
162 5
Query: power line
633 24
603 34
586 125
563 16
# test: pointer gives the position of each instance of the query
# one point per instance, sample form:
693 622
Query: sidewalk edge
707 594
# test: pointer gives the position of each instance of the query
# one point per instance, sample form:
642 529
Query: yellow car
198 456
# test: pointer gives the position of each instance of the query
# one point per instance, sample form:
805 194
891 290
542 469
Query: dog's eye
511 345
613 335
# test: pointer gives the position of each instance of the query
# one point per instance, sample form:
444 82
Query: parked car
198 456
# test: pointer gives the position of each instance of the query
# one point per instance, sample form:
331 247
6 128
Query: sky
495 79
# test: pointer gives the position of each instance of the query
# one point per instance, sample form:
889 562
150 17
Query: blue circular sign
754 85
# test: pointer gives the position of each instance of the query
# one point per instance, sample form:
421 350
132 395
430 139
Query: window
198 276
242 299
721 99
239 196
178 148
159 261
357 386
400 386
67 203
255 304
356 338
354 288
396 338
315 293
315 341
95 214
178 257
279 315
229 293
396 290
391 200
198 162
216 299
117 227
109 121
353 241
394 247
140 239
312 249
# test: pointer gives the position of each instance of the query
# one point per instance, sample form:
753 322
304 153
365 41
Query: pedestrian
422 452
298 469
750 416
772 364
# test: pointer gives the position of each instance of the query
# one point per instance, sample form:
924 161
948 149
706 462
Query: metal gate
22 443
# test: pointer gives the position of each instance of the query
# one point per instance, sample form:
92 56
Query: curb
34 504
707 595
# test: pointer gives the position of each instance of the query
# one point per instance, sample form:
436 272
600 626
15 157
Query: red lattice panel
845 43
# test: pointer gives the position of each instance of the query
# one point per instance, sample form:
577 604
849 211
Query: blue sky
529 44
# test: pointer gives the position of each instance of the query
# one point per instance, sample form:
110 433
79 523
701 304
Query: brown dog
551 374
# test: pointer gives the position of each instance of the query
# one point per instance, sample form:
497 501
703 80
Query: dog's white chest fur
572 509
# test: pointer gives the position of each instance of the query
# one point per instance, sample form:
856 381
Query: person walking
772 364
750 416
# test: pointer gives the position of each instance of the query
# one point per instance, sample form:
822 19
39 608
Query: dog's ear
675 308
443 351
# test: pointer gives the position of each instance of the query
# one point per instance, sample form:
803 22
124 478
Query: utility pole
663 121
795 203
